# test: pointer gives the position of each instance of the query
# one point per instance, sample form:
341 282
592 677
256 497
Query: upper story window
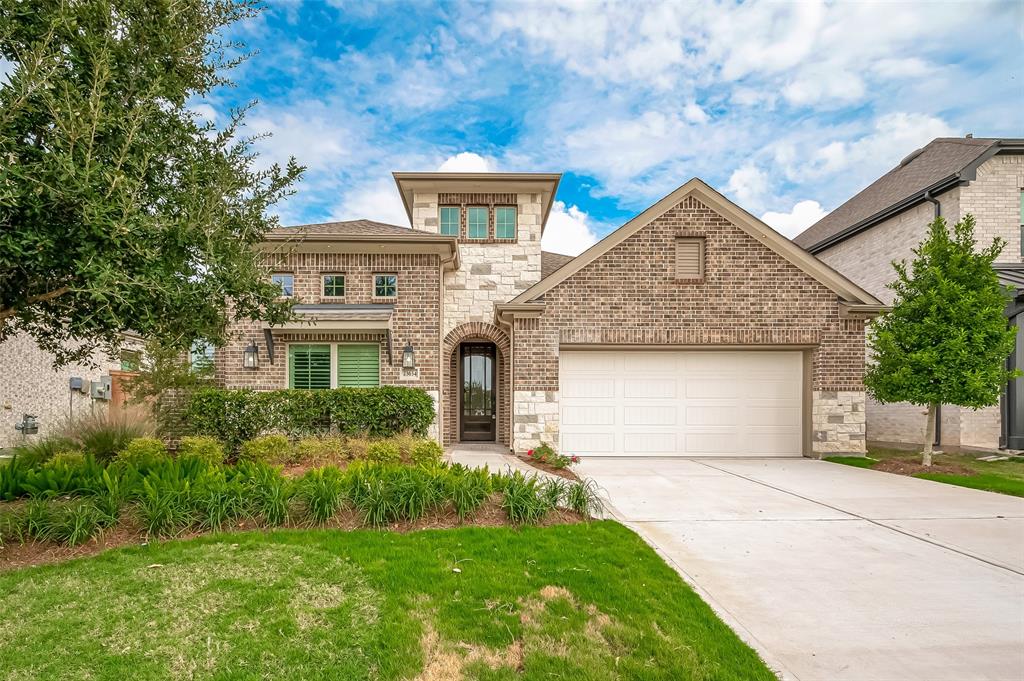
476 222
286 282
385 285
131 360
200 356
334 285
505 222
450 218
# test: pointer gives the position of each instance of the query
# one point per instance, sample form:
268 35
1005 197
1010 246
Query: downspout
930 198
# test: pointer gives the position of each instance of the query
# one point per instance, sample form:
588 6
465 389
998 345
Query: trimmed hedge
234 416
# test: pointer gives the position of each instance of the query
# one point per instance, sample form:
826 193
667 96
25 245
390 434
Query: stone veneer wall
493 270
750 296
993 198
32 386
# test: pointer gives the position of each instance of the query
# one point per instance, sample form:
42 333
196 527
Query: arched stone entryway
469 334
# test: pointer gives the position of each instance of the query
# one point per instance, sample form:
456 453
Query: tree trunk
929 436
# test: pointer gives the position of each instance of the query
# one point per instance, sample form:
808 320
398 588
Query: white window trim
284 274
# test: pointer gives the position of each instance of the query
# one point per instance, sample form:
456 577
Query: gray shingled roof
939 159
550 262
353 228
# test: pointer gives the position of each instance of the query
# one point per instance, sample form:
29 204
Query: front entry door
478 418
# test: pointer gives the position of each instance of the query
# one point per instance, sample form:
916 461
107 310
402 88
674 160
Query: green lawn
1005 477
585 601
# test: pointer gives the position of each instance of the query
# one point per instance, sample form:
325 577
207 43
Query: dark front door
1013 402
478 419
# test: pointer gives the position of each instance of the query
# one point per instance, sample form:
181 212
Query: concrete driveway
833 572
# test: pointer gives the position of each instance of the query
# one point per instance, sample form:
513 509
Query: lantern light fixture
251 357
408 357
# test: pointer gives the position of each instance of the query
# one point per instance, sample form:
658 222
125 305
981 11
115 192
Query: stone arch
477 331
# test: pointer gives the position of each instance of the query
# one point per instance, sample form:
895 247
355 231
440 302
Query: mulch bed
128 533
911 468
560 472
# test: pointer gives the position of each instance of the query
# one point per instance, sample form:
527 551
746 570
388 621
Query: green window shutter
450 220
505 222
358 366
476 222
309 367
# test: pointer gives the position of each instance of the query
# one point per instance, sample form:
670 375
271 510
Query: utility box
101 389
77 383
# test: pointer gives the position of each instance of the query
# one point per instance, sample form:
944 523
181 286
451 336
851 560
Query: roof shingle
939 159
352 228
550 262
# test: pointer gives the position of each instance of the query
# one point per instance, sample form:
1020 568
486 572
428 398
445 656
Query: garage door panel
596 415
640 442
650 415
589 443
588 387
649 388
691 403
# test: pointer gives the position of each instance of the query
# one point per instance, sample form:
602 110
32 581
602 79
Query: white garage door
636 403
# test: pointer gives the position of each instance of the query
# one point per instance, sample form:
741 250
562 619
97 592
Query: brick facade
993 198
750 295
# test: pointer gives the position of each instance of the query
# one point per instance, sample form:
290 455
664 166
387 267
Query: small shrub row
101 435
235 416
546 454
189 493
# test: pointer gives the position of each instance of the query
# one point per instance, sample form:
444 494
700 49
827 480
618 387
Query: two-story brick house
694 329
951 177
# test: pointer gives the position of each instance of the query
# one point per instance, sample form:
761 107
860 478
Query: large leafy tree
946 339
120 210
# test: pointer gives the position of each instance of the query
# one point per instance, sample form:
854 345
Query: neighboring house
883 223
694 329
56 396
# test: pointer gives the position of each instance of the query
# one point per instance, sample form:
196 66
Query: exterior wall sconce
251 357
408 357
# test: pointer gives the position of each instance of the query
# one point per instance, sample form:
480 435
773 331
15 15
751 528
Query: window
385 285
200 356
286 282
689 258
450 220
358 366
334 285
322 366
131 360
505 222
309 367
476 222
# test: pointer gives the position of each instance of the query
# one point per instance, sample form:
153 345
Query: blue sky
788 108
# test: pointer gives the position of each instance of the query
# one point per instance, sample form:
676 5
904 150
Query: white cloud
803 215
749 185
378 200
318 141
6 69
694 114
467 162
568 231
205 112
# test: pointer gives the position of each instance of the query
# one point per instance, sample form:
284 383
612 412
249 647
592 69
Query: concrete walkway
495 457
837 573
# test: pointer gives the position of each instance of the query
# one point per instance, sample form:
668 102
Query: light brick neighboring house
884 222
694 329
32 386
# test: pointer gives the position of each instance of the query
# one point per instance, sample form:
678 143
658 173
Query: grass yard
585 601
1005 477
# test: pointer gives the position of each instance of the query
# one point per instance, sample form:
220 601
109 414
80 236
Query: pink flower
574 458
529 453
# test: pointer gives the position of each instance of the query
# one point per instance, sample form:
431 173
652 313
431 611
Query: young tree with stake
946 340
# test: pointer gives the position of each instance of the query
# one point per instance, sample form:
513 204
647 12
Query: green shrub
62 475
582 497
268 493
143 452
522 499
319 449
164 506
218 499
468 489
322 491
426 453
358 447
267 448
70 459
75 522
201 447
383 451
234 416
